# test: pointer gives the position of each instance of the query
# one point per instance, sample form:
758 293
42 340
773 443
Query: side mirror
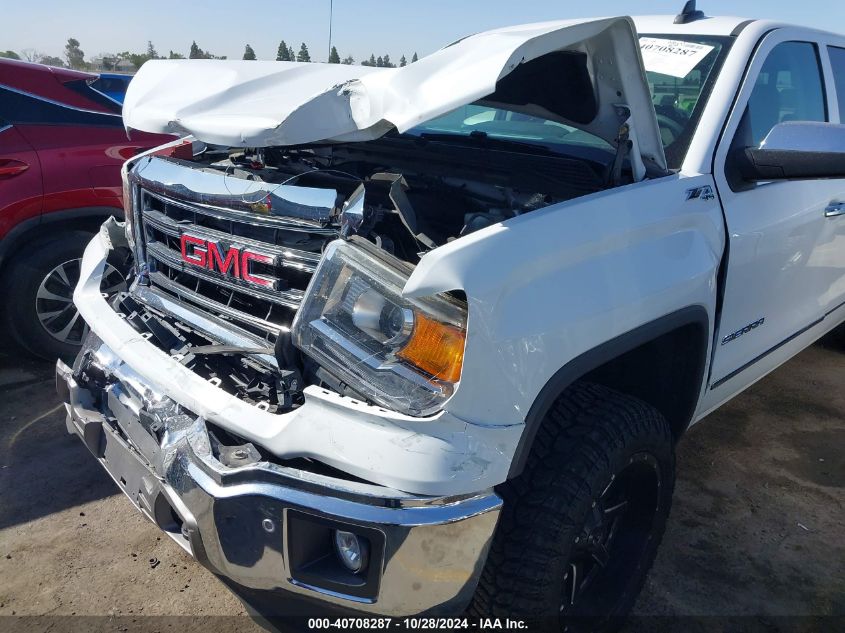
795 150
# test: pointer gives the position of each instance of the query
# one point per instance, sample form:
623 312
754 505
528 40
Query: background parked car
113 85
62 144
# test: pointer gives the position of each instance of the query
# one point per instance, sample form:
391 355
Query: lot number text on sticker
671 57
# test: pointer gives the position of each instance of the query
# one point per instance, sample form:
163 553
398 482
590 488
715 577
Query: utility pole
331 15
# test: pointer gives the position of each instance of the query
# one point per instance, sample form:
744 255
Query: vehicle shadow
834 340
42 469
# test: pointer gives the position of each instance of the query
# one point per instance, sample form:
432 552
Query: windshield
680 74
480 121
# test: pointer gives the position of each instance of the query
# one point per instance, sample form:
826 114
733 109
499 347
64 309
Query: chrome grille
291 248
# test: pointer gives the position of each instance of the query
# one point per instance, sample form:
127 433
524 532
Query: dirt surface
758 522
757 528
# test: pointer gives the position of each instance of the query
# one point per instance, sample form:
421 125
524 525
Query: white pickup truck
423 339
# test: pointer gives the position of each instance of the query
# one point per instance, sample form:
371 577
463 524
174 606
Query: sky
360 27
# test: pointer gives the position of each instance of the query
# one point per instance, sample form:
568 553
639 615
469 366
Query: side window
788 88
23 109
837 62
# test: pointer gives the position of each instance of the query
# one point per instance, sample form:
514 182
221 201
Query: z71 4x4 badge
745 330
701 193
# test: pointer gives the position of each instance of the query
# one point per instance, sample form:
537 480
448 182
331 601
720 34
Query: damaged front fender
545 287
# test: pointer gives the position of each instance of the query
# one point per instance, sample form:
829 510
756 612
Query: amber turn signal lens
436 348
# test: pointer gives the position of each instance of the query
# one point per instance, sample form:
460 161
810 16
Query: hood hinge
626 147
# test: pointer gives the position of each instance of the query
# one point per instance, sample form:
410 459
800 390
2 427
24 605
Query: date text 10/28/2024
442 624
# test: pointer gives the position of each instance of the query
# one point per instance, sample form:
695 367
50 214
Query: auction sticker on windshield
675 58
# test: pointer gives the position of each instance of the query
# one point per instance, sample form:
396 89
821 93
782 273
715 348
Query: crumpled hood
258 104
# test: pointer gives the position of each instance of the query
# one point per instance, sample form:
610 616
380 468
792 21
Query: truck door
786 252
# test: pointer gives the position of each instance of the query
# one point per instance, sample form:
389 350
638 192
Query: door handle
834 209
11 167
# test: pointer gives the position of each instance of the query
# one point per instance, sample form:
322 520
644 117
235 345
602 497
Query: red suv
62 144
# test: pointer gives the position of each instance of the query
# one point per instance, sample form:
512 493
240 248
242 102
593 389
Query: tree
379 61
75 56
249 53
415 58
283 54
109 60
403 62
386 62
9 55
334 57
175 55
152 53
303 55
370 62
31 55
49 60
348 60
196 52
137 59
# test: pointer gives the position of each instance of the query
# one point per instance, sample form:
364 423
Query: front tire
580 527
38 283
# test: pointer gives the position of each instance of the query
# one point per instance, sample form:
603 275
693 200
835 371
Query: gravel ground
757 528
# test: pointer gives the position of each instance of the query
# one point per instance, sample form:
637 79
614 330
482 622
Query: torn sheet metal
257 104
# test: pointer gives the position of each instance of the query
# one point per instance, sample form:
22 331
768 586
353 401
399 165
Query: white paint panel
547 286
257 104
786 259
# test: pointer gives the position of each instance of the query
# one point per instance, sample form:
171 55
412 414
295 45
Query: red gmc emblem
234 262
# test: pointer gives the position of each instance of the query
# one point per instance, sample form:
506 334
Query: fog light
352 550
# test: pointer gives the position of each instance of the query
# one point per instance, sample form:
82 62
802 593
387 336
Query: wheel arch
81 219
675 348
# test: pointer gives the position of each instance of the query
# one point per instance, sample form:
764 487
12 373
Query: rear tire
38 284
591 505
835 339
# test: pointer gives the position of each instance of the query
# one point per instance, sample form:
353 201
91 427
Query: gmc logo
234 262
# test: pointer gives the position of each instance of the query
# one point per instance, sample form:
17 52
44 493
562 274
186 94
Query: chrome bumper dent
236 520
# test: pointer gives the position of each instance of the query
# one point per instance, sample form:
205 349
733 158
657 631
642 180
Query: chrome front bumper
261 524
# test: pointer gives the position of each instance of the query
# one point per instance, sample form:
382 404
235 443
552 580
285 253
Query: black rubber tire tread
587 436
20 282
835 339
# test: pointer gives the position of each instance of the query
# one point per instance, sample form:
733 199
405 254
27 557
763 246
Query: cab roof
715 26
719 25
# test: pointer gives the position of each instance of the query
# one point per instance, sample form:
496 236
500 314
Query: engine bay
238 235
421 193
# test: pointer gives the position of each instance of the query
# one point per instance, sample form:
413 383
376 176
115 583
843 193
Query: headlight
405 354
